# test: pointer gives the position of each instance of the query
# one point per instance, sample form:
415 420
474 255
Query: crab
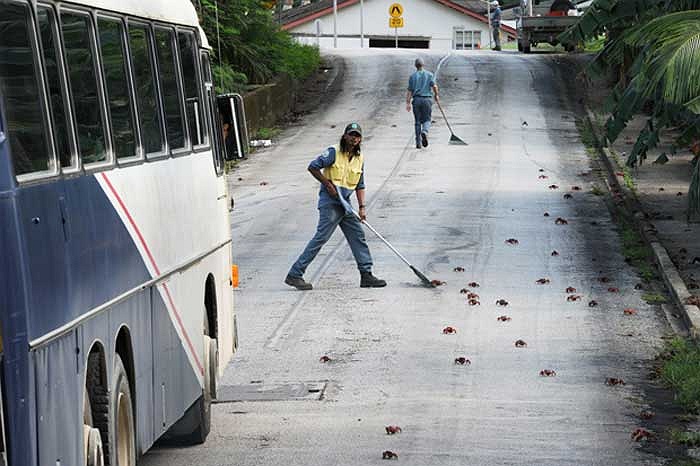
568 196
561 221
613 289
604 280
576 188
449 330
629 312
474 302
543 177
389 455
613 381
264 183
512 241
547 373
570 289
555 253
437 282
325 359
573 297
473 285
541 170
459 269
461 361
391 430
472 296
592 303
520 344
693 300
464 291
546 214
553 186
640 434
647 414
503 318
502 302
543 281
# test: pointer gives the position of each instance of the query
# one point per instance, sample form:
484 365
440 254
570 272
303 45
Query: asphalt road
444 207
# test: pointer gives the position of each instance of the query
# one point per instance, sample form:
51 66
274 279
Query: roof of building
297 16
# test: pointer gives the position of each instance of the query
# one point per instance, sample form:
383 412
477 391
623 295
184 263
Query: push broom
454 140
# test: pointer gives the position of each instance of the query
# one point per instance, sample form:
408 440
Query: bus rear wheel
122 418
93 453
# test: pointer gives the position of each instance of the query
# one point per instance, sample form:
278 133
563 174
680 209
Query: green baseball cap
353 128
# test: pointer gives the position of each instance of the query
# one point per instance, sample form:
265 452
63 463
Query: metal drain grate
299 391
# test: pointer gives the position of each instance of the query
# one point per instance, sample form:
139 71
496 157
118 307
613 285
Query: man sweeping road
421 89
343 173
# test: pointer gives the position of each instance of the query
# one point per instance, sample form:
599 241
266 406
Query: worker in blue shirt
496 25
340 170
421 90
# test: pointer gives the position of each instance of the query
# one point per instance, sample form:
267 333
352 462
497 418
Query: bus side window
167 71
83 83
146 89
117 84
52 69
193 101
19 87
213 115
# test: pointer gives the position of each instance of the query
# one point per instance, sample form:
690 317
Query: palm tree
654 46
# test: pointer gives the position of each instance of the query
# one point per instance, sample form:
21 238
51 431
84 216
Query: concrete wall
422 19
267 104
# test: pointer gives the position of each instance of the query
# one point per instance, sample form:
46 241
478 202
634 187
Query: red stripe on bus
155 267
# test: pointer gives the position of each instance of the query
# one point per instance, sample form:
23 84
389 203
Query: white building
427 24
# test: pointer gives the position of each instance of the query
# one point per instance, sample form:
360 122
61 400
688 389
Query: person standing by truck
496 25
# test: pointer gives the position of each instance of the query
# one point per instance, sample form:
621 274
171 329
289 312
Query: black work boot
298 283
367 280
424 139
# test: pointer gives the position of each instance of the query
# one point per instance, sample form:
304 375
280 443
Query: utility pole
488 15
362 18
335 24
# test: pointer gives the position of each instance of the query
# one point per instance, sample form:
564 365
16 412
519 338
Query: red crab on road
449 330
389 455
547 373
553 186
573 297
640 434
502 302
613 381
543 281
391 430
629 312
325 359
472 296
512 241
520 344
613 289
592 303
555 253
474 302
461 361
473 285
459 269
561 221
503 318
571 289
568 196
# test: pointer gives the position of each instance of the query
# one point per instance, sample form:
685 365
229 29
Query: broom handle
349 209
443 115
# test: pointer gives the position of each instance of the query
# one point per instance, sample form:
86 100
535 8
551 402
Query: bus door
235 130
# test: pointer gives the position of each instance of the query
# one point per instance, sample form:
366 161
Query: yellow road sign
395 22
395 10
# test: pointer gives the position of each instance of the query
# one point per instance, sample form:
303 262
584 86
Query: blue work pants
422 113
329 218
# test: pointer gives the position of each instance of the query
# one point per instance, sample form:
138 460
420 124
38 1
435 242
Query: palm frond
694 191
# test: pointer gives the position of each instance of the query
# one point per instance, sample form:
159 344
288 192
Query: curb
669 271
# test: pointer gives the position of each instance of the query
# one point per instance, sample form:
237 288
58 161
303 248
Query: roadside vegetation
249 47
652 48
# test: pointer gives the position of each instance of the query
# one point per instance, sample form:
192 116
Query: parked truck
533 29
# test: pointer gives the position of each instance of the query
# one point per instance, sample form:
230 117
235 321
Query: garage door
403 43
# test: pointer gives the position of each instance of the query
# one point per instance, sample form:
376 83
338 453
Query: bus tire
98 401
122 418
93 454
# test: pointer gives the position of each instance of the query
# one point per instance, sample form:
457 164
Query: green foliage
249 41
654 298
681 370
690 439
653 47
227 80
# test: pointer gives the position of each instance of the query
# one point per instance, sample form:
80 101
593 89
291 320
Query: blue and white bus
116 307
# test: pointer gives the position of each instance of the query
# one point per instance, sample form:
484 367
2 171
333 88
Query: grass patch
586 133
689 439
597 191
267 133
685 462
681 371
636 252
654 298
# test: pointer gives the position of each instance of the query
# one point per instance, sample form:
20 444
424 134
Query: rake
454 140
